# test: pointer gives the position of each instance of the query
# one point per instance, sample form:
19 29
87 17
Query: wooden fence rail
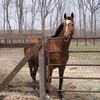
16 45
20 65
34 47
20 36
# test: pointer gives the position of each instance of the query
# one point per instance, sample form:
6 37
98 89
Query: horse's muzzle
66 38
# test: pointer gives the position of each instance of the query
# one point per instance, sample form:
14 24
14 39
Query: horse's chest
56 45
56 57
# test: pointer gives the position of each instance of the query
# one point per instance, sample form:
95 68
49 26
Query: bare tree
49 6
5 4
98 22
60 7
34 11
59 11
4 19
51 22
95 23
84 10
25 20
78 5
19 8
92 7
80 14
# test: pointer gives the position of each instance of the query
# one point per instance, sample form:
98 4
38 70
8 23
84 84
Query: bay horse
65 31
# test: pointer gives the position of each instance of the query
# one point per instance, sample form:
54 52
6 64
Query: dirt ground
21 87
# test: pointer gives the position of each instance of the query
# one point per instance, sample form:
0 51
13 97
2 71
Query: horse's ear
72 15
65 16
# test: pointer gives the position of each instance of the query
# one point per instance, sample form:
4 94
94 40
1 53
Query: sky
13 17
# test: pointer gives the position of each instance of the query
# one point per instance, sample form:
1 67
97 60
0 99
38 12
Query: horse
65 31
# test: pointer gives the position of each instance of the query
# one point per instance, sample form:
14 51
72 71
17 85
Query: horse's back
27 50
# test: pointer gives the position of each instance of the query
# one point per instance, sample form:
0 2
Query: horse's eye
72 24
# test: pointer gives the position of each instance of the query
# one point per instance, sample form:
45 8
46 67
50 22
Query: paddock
85 64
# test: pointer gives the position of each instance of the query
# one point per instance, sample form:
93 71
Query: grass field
89 47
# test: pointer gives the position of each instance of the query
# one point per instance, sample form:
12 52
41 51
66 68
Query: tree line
26 15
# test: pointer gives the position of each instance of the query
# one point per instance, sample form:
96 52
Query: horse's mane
58 31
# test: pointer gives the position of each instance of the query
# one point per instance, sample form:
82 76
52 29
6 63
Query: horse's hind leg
33 72
61 73
30 63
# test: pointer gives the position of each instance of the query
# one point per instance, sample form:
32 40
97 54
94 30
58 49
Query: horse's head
68 27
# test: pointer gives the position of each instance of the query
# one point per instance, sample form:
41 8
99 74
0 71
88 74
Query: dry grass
21 87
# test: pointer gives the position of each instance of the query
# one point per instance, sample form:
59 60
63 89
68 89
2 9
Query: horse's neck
61 34
66 45
62 45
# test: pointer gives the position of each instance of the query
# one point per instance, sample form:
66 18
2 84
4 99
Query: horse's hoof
47 96
36 88
60 97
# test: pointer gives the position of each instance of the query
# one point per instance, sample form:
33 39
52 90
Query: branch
48 8
97 7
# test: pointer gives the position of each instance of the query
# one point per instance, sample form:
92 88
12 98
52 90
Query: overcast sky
13 17
27 4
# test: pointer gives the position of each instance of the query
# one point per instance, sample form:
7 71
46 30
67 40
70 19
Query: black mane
58 31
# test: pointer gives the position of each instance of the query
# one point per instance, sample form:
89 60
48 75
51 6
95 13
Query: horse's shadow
29 88
36 92
53 94
35 87
2 97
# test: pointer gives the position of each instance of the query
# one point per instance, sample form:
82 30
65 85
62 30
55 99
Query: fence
85 40
35 47
95 39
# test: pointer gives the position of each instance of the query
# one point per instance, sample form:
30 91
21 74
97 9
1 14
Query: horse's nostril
66 37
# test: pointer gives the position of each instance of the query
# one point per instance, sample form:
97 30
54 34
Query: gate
78 40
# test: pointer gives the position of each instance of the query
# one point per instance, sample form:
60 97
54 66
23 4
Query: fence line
11 45
83 78
20 36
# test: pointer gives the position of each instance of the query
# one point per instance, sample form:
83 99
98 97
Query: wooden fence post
42 72
42 54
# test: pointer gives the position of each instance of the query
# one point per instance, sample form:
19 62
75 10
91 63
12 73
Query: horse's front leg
50 70
61 73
